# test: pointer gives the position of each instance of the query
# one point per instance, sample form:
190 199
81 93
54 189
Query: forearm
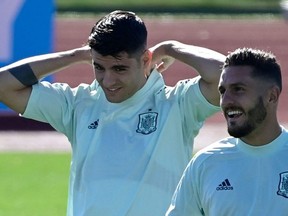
205 61
28 70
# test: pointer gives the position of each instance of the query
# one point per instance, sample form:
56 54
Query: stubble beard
255 116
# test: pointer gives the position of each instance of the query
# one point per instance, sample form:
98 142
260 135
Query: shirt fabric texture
127 157
233 178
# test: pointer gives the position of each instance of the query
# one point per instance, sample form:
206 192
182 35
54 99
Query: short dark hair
264 63
118 31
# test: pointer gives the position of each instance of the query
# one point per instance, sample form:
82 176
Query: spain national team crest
283 185
147 123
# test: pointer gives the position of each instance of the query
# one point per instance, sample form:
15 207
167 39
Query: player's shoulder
284 136
184 84
221 148
284 131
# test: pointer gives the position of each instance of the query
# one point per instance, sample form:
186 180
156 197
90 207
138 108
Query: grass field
33 184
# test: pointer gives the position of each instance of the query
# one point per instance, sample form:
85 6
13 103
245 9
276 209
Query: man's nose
226 99
109 79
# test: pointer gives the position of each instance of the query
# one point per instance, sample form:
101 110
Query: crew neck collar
269 148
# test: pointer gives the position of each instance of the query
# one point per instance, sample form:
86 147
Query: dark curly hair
118 31
264 63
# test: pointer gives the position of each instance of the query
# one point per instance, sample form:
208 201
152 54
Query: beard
255 116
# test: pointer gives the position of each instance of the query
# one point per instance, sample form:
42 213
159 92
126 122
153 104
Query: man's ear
147 57
274 94
147 61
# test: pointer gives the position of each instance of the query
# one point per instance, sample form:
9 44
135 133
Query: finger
161 67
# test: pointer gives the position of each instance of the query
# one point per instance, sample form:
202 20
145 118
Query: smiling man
246 174
119 77
131 135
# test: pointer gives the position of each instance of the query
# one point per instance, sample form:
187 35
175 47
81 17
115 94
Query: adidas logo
225 185
94 125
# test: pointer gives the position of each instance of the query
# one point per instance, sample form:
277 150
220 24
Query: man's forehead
236 74
242 70
119 56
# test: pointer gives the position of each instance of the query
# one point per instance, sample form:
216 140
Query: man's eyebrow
221 86
238 84
120 66
97 64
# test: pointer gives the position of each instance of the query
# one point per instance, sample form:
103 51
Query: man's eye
120 69
98 67
237 89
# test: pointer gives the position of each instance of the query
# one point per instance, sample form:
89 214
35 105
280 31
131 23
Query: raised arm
16 80
206 62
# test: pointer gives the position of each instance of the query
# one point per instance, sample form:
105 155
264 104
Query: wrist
82 54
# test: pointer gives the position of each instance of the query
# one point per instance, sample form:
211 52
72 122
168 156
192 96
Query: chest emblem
147 123
94 125
283 185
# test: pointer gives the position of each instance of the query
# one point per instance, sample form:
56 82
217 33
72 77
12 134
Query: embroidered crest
147 123
283 185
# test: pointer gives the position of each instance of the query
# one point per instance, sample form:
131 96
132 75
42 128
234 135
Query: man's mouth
233 113
112 90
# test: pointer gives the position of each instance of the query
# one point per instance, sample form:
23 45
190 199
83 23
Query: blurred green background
176 6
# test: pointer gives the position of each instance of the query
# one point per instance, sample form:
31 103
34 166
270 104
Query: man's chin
114 100
238 132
